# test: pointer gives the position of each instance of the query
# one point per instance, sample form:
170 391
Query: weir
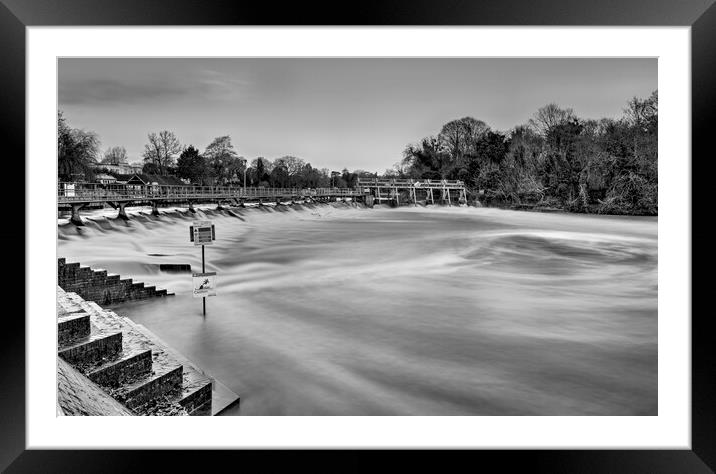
282 274
413 190
76 196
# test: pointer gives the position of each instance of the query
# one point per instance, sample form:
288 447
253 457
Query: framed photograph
435 226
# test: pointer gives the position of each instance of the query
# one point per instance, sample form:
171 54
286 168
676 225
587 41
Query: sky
355 113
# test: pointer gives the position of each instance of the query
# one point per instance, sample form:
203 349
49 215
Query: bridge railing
81 192
409 183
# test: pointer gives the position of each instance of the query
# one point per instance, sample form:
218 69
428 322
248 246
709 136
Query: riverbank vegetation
556 160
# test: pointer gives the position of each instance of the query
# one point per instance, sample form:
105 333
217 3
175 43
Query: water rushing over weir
340 310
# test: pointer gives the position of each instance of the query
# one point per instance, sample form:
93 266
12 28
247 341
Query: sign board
204 284
202 233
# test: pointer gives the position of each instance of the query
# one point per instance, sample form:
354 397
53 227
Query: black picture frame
700 15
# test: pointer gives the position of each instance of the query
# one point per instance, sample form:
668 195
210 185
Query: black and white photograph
362 236
458 227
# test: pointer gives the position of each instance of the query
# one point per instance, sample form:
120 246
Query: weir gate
76 196
412 191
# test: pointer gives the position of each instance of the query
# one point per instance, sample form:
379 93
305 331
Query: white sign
202 233
204 284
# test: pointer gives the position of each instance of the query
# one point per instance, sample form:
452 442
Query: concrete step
127 367
72 327
198 389
92 349
197 400
153 386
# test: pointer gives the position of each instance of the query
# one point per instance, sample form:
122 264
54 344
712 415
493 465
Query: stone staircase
102 287
129 362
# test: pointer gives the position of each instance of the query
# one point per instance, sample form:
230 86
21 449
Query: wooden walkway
76 196
69 193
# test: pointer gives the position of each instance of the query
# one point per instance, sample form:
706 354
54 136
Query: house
105 179
121 168
142 179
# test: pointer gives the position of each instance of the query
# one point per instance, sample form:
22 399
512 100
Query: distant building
141 179
105 178
122 168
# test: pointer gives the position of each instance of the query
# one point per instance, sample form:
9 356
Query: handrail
95 192
401 182
74 191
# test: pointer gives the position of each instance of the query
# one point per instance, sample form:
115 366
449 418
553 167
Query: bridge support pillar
155 208
463 197
76 219
122 212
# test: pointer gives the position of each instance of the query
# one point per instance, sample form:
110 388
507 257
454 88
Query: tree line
80 157
557 159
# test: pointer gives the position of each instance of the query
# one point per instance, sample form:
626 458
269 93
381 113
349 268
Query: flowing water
342 310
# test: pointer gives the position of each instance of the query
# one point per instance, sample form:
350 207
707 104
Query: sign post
203 233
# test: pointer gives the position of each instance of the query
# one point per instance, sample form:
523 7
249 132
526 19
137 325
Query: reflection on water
339 310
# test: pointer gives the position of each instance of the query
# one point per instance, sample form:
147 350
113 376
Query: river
341 310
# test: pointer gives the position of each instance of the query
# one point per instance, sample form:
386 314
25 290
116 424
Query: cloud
207 84
109 91
215 85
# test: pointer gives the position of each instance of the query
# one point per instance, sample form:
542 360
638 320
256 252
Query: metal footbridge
76 195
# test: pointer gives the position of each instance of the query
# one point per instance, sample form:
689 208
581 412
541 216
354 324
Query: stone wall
101 287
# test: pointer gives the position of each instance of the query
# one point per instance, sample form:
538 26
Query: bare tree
115 155
294 167
77 149
643 112
550 116
222 159
459 137
161 150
